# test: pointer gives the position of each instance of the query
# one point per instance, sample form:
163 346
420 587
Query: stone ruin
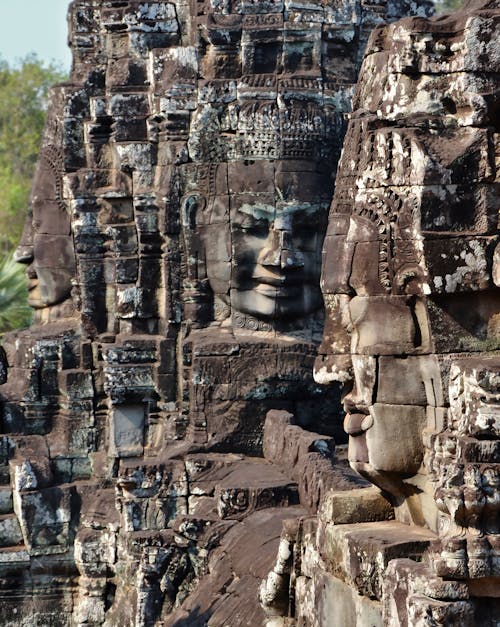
166 456
410 281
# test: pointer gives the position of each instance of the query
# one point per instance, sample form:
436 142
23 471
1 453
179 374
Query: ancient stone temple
410 282
167 457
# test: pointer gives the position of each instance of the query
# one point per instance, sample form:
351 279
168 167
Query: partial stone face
46 245
181 197
409 266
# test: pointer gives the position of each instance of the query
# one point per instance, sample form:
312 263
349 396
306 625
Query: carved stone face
379 413
394 384
399 341
276 259
46 245
259 237
276 232
273 136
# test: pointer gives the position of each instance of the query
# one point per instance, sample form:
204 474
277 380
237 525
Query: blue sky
34 26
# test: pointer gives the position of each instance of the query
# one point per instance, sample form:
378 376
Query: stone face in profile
411 291
410 247
46 245
410 284
181 195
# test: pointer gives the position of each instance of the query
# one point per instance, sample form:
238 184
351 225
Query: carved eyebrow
305 208
269 212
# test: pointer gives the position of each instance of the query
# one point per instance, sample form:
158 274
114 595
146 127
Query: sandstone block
10 531
359 553
355 506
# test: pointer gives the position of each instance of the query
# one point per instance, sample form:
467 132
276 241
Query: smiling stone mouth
278 281
283 293
356 424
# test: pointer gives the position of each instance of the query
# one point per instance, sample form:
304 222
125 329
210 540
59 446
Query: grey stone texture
411 292
167 457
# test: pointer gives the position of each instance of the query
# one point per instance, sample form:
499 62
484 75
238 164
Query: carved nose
279 252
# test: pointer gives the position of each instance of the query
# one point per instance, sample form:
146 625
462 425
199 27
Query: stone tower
173 245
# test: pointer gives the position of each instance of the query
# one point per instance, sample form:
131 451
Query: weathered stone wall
173 246
411 293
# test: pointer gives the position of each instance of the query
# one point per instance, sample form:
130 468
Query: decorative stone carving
173 243
413 225
412 301
463 463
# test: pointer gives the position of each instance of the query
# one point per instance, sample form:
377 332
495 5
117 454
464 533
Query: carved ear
198 297
191 205
496 265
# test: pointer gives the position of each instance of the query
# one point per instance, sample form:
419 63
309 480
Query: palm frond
14 309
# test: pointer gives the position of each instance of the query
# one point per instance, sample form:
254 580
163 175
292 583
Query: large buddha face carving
261 236
276 232
277 260
407 288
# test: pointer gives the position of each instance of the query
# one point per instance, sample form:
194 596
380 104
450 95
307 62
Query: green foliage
15 312
23 103
446 6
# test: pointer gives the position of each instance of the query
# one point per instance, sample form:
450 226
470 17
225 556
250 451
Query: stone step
235 485
355 506
359 553
253 484
14 556
10 531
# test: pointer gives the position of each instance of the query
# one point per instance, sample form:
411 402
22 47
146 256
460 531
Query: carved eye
250 226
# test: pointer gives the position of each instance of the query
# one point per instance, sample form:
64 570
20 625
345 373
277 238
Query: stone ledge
357 506
359 553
